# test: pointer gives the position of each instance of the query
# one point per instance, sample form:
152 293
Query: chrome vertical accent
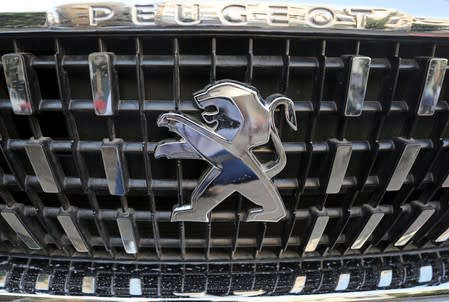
249 293
317 232
69 223
419 222
367 230
357 83
342 151
23 86
445 183
443 237
16 222
88 285
127 231
103 84
299 284
343 282
135 287
115 166
3 277
42 281
385 278
408 156
44 167
436 70
425 274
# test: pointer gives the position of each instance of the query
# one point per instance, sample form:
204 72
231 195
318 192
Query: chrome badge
236 120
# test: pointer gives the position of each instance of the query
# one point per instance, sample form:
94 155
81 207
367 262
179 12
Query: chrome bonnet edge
413 19
420 293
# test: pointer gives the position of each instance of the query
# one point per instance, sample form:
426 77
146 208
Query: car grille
157 74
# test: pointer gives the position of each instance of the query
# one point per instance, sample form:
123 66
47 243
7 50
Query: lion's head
236 112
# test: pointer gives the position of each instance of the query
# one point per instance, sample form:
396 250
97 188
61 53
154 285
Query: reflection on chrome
434 80
317 233
436 293
358 80
115 166
299 284
127 233
423 217
237 14
42 282
386 276
103 87
235 121
16 223
88 285
68 221
367 230
19 76
44 168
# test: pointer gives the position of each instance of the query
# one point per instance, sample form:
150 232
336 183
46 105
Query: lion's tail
277 100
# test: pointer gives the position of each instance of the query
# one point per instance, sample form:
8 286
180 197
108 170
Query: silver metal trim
21 82
425 274
419 222
215 15
340 163
358 82
43 167
102 82
70 226
249 293
317 232
445 183
385 279
426 294
16 223
299 284
42 281
115 166
436 70
404 165
135 287
443 237
367 230
88 285
343 282
3 277
127 232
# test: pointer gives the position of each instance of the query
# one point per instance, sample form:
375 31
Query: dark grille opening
79 83
191 79
128 126
97 127
159 84
17 126
108 202
47 82
235 73
47 122
127 84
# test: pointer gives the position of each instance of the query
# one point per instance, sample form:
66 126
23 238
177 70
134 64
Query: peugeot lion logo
236 120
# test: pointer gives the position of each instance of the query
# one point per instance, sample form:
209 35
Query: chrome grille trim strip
423 293
334 16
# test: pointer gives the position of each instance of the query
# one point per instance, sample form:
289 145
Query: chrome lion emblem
236 120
